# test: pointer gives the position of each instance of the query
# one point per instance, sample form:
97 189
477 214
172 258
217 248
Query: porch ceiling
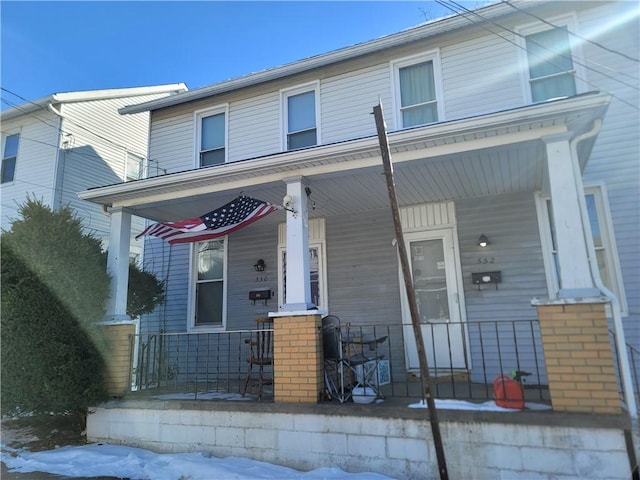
485 155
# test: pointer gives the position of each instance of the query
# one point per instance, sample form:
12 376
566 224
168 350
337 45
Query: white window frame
569 21
395 65
284 111
608 240
2 160
198 115
128 158
317 239
193 279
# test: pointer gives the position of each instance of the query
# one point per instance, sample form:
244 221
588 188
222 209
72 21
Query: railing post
297 357
118 363
578 355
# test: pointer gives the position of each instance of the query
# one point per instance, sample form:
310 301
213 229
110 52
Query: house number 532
486 260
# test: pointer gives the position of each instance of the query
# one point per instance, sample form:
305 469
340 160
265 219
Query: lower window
209 275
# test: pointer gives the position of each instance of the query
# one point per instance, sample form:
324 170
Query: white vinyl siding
35 166
418 90
348 100
488 60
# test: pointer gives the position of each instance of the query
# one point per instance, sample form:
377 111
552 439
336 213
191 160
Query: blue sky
51 47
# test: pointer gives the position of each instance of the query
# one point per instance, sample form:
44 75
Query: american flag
233 216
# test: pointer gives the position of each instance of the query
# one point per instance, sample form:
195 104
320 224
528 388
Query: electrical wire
584 39
462 9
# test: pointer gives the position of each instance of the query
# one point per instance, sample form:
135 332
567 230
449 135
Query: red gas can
508 392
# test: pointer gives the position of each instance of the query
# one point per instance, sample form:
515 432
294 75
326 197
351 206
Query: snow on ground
104 460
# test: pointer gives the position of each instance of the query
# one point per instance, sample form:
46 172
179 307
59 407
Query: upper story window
211 137
551 72
300 114
549 59
9 157
417 89
134 168
208 285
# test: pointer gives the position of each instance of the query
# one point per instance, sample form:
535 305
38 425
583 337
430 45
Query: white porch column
573 263
297 283
118 265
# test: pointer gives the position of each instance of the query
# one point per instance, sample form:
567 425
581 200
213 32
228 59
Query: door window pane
314 275
429 280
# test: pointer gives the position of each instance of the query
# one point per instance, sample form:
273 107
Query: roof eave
559 111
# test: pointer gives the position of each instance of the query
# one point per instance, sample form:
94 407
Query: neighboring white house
519 122
57 146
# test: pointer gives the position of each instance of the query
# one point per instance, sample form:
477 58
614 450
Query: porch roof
483 155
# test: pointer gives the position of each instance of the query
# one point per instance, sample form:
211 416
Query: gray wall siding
615 160
510 223
348 100
471 71
254 127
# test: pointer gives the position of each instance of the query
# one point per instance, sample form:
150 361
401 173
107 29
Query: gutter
616 310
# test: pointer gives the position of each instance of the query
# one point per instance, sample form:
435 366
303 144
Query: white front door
436 281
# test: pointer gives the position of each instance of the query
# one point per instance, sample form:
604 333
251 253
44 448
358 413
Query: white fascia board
26 108
488 131
88 95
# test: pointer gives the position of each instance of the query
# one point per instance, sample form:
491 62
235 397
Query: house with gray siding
56 146
513 138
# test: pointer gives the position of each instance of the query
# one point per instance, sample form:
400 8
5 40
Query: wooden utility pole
411 294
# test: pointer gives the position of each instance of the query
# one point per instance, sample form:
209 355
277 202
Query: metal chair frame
347 363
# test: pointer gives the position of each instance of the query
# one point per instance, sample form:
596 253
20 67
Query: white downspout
56 194
623 359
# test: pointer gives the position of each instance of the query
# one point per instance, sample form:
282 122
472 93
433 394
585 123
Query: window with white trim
9 157
300 116
134 168
317 264
549 59
603 241
208 284
211 137
417 87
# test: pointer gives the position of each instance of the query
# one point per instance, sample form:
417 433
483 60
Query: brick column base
118 363
579 358
297 359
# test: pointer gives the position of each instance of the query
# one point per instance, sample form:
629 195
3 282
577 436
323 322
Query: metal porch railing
200 363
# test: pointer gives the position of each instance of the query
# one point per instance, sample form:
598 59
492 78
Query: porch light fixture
260 265
483 241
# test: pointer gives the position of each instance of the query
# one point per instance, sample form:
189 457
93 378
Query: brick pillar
579 358
118 363
297 359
